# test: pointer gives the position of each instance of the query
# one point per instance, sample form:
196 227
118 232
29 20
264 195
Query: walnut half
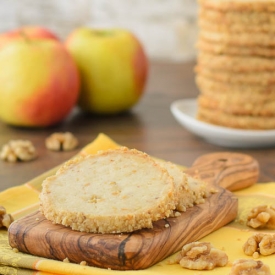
61 142
201 256
249 267
18 150
262 216
262 243
5 219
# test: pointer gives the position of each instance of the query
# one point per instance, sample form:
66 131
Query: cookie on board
119 190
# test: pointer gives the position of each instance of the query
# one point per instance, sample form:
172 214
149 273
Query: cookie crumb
66 260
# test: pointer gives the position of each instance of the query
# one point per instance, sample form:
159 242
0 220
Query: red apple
39 82
113 68
35 32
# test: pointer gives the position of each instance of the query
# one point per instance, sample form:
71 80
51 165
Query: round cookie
238 39
223 48
237 17
239 5
234 121
236 27
236 92
210 86
232 106
236 63
249 78
190 191
119 190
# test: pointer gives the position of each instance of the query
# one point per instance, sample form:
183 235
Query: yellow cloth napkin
23 200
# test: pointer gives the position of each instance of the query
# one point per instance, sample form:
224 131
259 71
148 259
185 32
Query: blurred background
167 28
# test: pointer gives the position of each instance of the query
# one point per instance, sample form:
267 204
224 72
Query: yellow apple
113 68
39 82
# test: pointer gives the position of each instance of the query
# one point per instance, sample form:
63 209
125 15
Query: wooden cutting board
35 235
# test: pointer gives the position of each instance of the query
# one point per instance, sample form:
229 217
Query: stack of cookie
235 70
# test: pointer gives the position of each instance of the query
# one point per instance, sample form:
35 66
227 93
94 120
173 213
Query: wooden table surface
149 127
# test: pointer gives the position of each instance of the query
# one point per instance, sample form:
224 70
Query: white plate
185 113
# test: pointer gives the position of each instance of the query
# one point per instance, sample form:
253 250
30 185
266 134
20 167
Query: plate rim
255 138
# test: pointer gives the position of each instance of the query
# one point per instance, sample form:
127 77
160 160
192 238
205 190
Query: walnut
201 255
61 142
5 219
262 216
249 267
18 150
263 243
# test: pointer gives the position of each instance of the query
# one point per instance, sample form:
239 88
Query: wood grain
232 171
35 235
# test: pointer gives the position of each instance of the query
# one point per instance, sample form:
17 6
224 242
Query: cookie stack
235 70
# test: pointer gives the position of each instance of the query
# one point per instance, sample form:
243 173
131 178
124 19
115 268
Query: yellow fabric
23 200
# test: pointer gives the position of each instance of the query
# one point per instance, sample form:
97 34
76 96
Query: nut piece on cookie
61 142
263 243
5 219
262 216
201 256
249 267
18 150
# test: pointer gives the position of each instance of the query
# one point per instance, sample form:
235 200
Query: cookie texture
245 92
238 17
235 50
189 191
235 71
251 78
230 63
239 5
235 107
119 190
218 117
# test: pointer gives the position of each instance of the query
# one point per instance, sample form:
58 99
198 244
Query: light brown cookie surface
237 17
224 48
235 63
239 5
232 106
236 121
238 39
258 93
249 78
114 191
235 28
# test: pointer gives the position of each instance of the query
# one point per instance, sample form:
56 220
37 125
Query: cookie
228 105
237 17
226 49
236 27
230 63
237 92
239 5
119 190
235 121
264 78
238 39
189 191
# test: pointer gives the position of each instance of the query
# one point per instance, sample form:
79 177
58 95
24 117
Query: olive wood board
224 171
